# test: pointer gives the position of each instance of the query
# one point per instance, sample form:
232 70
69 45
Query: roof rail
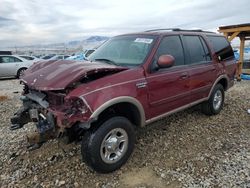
178 29
193 30
162 29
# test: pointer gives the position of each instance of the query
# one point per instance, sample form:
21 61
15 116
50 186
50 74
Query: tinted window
171 45
222 47
195 49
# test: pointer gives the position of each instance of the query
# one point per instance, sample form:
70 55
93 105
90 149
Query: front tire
215 103
109 147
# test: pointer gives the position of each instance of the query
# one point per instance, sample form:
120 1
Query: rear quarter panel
229 69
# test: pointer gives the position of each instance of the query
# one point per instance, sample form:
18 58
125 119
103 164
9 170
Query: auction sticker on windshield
144 40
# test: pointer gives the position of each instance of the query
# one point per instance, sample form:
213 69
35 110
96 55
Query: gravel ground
187 149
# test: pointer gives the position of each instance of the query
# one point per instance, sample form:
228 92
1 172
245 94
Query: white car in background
13 66
59 57
30 58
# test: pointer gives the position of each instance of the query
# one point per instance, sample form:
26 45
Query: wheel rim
114 145
22 72
217 99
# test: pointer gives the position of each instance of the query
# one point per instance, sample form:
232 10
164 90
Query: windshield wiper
108 61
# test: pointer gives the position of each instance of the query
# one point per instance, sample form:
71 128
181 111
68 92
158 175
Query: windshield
124 50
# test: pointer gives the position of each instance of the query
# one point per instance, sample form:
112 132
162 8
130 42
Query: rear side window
27 57
196 50
171 45
222 47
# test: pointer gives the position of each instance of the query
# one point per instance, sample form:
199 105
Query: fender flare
224 76
117 100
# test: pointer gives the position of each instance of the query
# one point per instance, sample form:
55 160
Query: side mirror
165 61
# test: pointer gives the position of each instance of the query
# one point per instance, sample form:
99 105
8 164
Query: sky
26 22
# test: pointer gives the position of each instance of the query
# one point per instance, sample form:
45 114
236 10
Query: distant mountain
85 43
96 39
88 43
74 42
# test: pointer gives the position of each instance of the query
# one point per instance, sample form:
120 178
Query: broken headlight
75 106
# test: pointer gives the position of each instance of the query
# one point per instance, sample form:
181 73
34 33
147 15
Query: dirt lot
187 149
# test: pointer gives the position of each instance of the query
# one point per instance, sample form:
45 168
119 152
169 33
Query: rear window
222 47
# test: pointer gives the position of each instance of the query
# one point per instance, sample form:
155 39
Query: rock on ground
187 149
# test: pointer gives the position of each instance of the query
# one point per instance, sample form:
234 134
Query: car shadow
3 79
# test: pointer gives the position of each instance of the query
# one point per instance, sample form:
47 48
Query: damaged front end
54 113
48 100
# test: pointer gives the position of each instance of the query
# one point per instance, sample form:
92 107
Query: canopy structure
243 32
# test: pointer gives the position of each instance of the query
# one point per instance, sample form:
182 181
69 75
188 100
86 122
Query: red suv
131 80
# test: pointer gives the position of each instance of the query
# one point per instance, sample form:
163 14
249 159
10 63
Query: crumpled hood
57 75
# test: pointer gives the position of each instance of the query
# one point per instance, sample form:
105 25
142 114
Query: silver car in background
13 66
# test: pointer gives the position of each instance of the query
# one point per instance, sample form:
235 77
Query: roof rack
162 29
193 30
178 29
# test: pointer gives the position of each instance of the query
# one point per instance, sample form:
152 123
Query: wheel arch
223 80
128 106
19 69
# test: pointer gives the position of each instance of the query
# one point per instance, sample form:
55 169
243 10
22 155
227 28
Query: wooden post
226 35
240 63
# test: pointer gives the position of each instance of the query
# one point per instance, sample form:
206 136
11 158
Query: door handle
184 76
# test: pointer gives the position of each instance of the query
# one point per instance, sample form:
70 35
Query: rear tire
108 147
20 72
215 103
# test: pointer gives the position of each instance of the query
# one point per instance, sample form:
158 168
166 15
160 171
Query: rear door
202 70
168 88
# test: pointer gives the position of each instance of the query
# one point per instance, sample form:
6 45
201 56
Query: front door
168 88
8 66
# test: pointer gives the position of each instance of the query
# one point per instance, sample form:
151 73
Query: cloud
5 22
35 21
